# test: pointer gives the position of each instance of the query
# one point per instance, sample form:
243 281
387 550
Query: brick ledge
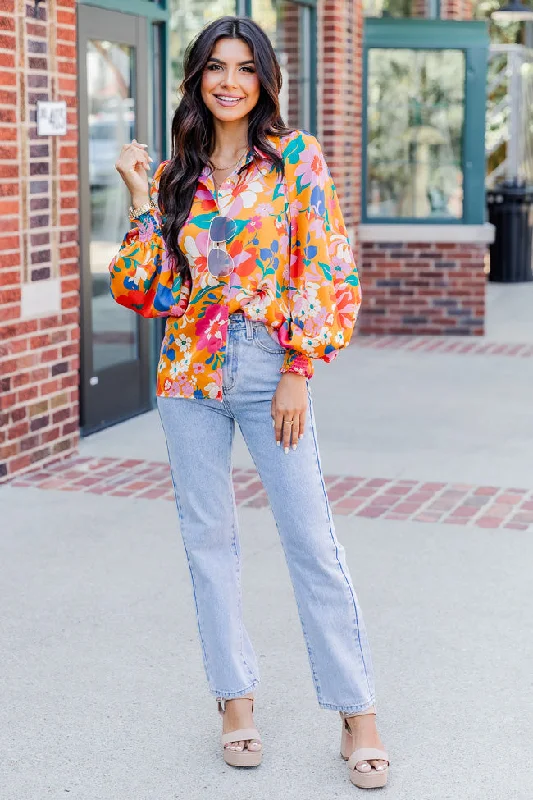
473 234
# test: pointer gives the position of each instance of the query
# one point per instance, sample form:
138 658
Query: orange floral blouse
308 302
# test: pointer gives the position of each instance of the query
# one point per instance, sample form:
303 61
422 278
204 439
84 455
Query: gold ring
288 422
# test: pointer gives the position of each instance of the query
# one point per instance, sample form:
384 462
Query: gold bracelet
136 212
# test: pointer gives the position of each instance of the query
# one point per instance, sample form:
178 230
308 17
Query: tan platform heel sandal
240 758
364 780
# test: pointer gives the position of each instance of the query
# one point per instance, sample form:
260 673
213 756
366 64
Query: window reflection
401 8
288 25
415 125
187 18
110 70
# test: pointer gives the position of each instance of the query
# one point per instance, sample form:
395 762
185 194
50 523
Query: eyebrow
241 64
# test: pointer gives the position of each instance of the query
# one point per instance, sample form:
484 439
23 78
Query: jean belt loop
249 328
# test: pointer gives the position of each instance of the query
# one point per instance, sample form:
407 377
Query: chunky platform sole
240 758
374 779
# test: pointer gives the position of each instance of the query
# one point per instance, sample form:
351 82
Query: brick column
289 28
340 36
39 274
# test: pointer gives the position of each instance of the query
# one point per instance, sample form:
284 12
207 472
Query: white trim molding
460 234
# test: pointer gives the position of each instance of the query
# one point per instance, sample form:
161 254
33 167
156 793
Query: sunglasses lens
219 263
222 229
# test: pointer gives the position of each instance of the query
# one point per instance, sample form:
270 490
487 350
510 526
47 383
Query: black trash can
510 207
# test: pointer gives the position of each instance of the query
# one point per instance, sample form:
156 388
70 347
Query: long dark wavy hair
192 125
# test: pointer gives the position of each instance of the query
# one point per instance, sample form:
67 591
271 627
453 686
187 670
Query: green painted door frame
431 34
156 16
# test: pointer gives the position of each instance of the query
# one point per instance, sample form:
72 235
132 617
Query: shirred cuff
298 362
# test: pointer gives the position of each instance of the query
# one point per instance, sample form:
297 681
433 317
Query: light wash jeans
199 436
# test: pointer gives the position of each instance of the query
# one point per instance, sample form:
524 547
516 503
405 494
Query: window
402 8
419 96
187 18
291 29
424 115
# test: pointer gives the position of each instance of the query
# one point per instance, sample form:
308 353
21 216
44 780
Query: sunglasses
219 262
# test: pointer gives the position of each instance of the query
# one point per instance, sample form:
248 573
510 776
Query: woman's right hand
132 165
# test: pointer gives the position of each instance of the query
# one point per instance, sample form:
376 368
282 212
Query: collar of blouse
207 177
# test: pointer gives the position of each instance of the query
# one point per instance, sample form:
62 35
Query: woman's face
230 74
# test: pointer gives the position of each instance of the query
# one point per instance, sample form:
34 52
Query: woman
210 251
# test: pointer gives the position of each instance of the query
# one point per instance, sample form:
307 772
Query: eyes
212 67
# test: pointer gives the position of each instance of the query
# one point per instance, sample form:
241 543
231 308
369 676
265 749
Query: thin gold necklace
230 166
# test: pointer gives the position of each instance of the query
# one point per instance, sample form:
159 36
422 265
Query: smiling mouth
226 100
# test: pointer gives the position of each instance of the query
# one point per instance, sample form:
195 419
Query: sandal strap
221 703
349 714
367 754
243 734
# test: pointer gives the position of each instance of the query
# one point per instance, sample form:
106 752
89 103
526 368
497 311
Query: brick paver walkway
350 495
445 344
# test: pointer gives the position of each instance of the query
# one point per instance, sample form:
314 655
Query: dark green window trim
140 8
423 34
433 34
160 151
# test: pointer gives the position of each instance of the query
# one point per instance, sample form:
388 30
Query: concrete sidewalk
509 307
104 682
106 695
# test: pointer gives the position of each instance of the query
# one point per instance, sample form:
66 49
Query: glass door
113 67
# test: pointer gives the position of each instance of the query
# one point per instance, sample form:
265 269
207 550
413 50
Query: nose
230 77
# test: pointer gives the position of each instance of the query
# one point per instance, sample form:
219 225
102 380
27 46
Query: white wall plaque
51 118
40 298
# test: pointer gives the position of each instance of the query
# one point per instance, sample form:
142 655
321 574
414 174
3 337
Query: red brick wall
421 288
39 347
289 24
340 34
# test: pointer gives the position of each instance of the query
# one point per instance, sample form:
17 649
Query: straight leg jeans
199 434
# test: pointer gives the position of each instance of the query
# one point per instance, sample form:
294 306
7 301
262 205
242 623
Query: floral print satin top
308 301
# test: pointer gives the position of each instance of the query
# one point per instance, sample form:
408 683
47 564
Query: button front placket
219 195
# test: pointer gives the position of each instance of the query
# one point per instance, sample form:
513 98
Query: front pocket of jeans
265 341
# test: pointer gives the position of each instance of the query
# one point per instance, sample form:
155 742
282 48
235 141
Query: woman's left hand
289 403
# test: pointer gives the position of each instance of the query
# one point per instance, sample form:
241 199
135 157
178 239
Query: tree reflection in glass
414 133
